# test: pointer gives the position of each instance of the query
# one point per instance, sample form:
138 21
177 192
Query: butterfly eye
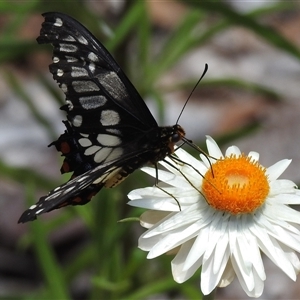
178 134
176 137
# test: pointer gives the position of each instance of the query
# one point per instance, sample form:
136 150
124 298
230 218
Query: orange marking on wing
65 147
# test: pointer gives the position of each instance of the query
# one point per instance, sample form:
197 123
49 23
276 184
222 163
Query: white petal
165 204
289 199
151 217
208 278
173 239
242 261
233 150
160 199
213 148
197 249
255 255
282 186
149 243
287 238
167 177
221 255
214 266
217 227
186 157
179 221
227 276
254 155
257 286
177 264
277 169
280 212
272 249
207 162
292 257
281 260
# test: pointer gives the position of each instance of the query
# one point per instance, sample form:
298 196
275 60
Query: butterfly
110 131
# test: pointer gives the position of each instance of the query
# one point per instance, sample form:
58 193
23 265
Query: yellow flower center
237 185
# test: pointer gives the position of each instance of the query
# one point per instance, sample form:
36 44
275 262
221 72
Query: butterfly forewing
87 73
110 132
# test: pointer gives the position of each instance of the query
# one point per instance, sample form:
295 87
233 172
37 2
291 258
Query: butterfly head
177 135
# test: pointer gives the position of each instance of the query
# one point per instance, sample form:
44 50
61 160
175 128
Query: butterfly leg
156 185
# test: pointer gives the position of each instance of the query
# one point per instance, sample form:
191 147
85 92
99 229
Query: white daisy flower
220 214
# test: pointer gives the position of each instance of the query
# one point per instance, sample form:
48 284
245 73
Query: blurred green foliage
118 269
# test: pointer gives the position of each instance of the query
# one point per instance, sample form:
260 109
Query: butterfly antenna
187 100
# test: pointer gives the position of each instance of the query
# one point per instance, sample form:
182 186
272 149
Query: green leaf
248 21
128 22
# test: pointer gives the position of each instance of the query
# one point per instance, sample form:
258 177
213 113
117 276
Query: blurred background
249 97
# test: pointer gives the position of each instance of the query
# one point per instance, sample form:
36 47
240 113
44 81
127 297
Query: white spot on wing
108 140
60 72
82 40
85 86
114 131
39 211
55 59
68 48
107 154
92 102
82 178
70 104
69 189
109 117
113 85
102 155
33 206
69 38
92 67
77 121
93 57
117 152
79 72
84 142
91 150
64 87
71 59
106 176
58 22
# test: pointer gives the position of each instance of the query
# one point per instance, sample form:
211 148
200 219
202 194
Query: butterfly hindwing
80 189
77 191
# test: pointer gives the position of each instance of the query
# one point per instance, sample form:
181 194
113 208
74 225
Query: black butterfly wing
78 190
82 188
105 111
110 131
90 77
